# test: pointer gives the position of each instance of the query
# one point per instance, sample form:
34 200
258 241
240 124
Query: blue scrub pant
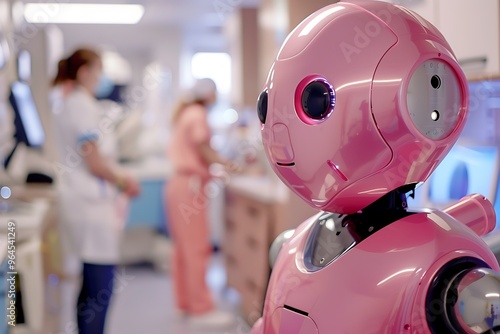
94 298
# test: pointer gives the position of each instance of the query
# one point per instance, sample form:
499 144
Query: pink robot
363 101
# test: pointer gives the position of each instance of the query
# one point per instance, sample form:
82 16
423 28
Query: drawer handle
231 261
230 225
252 211
252 243
251 285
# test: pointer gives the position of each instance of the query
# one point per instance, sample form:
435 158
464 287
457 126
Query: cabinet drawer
255 264
246 248
235 276
231 205
252 302
232 237
249 260
253 217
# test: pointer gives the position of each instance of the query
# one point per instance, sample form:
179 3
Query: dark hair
67 69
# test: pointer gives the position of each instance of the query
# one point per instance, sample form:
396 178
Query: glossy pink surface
400 104
476 212
379 286
292 322
368 145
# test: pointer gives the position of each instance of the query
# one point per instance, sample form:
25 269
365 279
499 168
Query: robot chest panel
328 240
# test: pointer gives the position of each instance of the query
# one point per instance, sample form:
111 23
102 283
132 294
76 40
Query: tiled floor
143 303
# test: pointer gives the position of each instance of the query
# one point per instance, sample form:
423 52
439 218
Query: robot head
363 98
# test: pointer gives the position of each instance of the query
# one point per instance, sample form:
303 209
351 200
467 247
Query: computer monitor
465 170
28 126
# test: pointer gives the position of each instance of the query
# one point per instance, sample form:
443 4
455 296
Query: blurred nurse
191 155
89 183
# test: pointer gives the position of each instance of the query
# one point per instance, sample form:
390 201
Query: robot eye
262 106
318 100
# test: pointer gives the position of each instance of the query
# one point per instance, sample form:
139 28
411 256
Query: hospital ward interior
136 191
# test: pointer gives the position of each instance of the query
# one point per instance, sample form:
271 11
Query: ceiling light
85 13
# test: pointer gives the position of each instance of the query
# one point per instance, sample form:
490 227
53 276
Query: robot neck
394 201
385 211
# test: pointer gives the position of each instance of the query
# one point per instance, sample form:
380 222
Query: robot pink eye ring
363 102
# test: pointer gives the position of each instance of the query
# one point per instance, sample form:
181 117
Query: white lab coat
89 217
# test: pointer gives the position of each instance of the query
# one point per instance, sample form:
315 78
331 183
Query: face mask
210 106
104 87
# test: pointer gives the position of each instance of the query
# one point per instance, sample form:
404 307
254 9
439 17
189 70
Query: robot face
359 102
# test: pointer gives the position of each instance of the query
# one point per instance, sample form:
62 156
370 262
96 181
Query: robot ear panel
434 99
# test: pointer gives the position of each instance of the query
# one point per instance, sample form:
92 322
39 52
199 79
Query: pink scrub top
189 132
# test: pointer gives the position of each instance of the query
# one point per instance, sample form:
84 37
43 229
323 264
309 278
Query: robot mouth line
296 310
286 164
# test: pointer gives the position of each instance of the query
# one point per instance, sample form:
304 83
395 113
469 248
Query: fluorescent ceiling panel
83 13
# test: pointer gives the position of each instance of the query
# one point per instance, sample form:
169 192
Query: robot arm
474 211
469 290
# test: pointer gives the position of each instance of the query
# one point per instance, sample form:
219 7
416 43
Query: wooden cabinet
248 235
257 211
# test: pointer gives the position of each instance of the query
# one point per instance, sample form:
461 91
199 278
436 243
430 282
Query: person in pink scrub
191 155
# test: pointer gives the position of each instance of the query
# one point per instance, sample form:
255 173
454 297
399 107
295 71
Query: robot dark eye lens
262 106
435 81
317 100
